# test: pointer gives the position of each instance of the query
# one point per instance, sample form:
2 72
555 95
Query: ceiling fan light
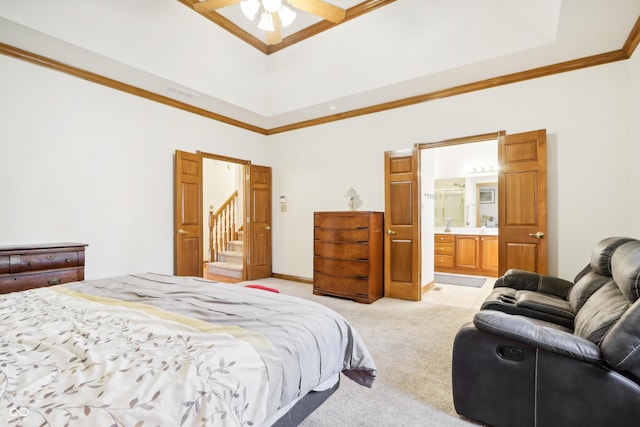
286 15
250 8
266 22
271 5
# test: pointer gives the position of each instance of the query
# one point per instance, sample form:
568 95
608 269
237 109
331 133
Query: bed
159 350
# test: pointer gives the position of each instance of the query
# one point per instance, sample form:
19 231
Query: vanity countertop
479 231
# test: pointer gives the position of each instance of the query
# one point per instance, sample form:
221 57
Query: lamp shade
266 22
286 15
250 8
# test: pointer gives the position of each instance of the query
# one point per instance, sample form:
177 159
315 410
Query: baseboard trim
292 278
426 288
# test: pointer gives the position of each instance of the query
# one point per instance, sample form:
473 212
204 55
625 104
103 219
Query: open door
402 225
522 201
258 224
187 214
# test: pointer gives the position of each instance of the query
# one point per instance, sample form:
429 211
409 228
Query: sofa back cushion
602 254
625 269
621 345
584 288
600 312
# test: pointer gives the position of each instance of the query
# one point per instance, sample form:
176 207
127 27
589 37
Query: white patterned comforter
154 350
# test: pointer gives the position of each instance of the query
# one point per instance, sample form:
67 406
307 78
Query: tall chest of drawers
34 266
348 255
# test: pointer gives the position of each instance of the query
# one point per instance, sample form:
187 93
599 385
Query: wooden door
258 256
522 201
402 225
187 214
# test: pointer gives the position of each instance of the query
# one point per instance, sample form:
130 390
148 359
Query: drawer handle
68 260
30 263
54 281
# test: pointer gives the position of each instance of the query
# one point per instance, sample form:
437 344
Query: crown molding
43 61
624 53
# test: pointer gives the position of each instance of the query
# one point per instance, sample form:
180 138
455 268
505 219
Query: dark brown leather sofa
515 370
551 298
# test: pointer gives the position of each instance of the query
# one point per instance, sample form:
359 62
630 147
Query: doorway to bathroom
459 211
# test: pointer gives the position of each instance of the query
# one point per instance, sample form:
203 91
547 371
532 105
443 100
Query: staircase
229 263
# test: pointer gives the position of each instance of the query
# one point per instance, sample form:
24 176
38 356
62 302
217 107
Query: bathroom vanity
472 251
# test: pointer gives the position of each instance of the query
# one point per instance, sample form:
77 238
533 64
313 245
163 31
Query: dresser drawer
341 221
337 235
35 280
353 251
443 238
344 286
443 261
443 248
36 262
341 267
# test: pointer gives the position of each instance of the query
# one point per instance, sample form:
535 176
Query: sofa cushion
544 303
584 288
602 253
625 265
600 312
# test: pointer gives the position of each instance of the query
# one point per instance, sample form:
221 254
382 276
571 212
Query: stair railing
222 226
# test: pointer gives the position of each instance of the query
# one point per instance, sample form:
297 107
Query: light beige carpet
411 343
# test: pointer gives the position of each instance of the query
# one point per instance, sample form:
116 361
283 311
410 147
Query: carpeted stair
229 262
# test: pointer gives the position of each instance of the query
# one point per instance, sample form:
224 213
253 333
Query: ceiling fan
275 14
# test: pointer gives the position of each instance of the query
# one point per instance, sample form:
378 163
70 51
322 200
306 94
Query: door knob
181 232
390 232
267 228
538 235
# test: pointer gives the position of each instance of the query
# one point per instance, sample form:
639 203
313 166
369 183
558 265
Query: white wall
634 145
586 114
81 162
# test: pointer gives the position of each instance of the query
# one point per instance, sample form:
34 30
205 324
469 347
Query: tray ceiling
405 50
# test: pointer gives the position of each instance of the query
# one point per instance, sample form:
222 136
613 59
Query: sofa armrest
537 334
530 281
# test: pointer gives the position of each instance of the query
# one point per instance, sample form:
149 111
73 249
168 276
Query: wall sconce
353 199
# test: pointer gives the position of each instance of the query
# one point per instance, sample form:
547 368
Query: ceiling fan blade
275 36
211 5
320 8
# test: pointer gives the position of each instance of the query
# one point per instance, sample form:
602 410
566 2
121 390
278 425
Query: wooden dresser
348 255
33 266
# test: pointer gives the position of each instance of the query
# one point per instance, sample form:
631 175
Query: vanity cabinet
348 255
489 255
33 266
466 254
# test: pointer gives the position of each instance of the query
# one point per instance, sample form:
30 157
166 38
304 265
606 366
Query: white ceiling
407 48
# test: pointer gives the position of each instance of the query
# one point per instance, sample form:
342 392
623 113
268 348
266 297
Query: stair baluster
222 226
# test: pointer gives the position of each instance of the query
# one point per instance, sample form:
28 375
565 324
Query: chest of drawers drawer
342 250
21 282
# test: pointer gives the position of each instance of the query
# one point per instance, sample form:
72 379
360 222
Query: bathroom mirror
466 202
